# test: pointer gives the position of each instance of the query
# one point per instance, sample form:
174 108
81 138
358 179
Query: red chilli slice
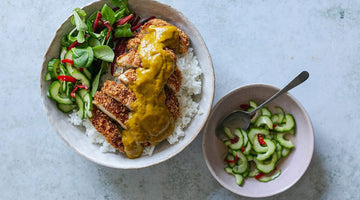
232 161
66 78
234 140
67 61
244 107
261 140
242 149
259 175
72 93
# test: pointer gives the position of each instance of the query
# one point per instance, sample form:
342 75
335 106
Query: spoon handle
295 82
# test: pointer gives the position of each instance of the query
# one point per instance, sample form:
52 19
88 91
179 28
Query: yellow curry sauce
151 121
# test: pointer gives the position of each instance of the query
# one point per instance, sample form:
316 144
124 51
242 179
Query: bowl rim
206 114
218 104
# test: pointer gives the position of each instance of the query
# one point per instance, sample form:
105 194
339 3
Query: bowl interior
293 166
75 137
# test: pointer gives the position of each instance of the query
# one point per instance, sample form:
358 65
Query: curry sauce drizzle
151 120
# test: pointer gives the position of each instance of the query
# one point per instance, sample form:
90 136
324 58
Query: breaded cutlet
111 108
174 81
119 92
184 41
106 127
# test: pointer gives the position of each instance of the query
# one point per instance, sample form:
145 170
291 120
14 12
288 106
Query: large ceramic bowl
293 166
75 137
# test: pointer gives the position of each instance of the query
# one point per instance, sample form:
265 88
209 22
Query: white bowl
75 136
293 166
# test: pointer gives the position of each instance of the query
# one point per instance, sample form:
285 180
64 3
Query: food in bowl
130 80
254 152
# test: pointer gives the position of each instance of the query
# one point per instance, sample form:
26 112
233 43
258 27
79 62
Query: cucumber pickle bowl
292 167
75 136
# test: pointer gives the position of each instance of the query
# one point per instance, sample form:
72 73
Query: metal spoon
241 119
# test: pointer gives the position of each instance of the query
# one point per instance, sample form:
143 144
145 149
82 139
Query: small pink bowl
293 166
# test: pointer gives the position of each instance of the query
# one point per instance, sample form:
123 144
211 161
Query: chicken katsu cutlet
104 125
115 102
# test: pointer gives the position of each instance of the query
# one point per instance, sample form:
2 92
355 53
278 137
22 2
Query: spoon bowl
241 119
293 167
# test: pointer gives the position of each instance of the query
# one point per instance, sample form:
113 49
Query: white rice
190 87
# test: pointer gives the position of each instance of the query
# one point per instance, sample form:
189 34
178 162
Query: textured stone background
249 41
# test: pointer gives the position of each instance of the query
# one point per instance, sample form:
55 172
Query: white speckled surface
249 41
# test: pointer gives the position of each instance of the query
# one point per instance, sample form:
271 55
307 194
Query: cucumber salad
86 52
254 152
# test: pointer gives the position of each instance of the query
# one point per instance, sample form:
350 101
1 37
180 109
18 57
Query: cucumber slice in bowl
271 176
56 94
66 108
264 120
240 140
267 166
242 164
284 142
287 126
271 149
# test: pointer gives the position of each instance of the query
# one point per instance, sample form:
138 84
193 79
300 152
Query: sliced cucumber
264 120
76 73
271 149
245 136
87 73
285 152
80 104
270 177
258 147
284 142
230 156
239 143
63 52
239 179
53 67
245 174
265 111
255 116
228 133
287 126
48 76
253 104
253 170
292 131
266 166
87 99
280 115
247 149
55 93
66 108
242 164
228 170
254 131
249 157
278 149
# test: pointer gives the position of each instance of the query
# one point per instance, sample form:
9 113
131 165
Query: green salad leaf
108 14
104 52
79 19
122 4
95 83
123 31
82 57
119 14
